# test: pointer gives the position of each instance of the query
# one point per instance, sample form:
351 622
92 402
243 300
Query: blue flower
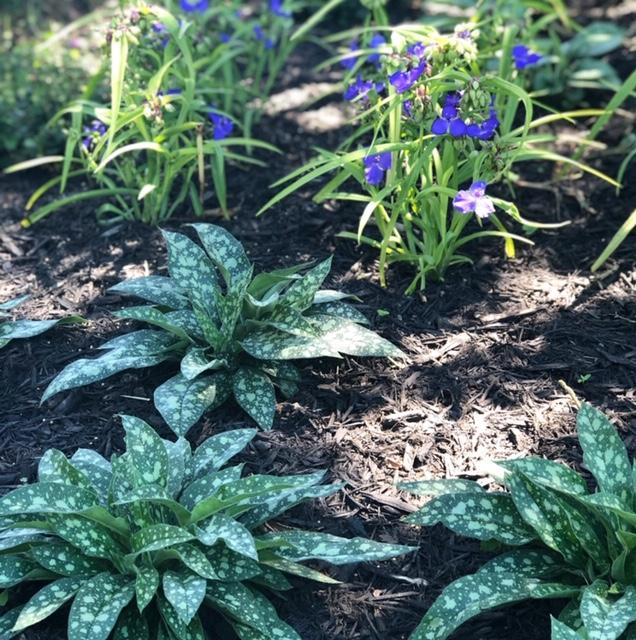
474 200
407 107
524 57
170 92
194 5
94 132
451 121
361 88
417 50
350 61
276 7
223 126
259 34
404 80
225 37
376 42
376 166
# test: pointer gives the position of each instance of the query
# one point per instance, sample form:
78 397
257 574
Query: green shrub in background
572 542
144 543
233 332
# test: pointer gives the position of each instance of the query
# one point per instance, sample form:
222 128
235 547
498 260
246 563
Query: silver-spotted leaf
548 474
560 631
54 467
141 343
235 536
14 569
95 467
182 402
604 453
487 516
131 626
230 566
605 617
158 536
301 293
196 361
47 497
157 289
62 558
146 585
93 539
47 600
153 316
193 558
177 628
97 606
340 310
254 392
441 487
208 485
179 465
146 452
217 450
185 592
309 545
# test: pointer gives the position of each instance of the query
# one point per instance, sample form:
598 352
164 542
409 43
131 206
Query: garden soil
488 349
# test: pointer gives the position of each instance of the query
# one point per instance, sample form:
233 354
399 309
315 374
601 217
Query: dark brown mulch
488 347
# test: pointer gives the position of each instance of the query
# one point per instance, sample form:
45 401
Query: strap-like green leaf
14 569
146 452
548 474
54 467
254 392
131 626
308 545
300 294
193 558
157 289
63 558
488 516
142 342
179 465
339 310
208 485
561 631
217 450
195 362
604 453
91 538
15 537
606 619
182 402
157 495
153 316
95 467
97 606
7 620
230 566
441 487
47 600
47 497
185 592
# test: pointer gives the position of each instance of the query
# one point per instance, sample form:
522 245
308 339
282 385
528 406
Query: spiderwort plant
567 542
146 542
167 135
234 333
15 329
435 129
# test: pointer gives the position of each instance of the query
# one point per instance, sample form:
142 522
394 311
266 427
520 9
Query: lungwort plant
166 136
435 129
143 544
14 329
571 543
233 332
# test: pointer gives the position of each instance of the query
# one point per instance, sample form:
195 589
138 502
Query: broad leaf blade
254 392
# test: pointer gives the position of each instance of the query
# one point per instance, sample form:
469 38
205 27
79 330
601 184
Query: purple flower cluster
95 131
360 89
191 6
376 166
260 35
474 200
451 121
402 81
276 7
376 42
523 57
223 126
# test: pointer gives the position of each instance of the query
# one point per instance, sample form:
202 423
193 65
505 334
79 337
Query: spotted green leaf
254 391
196 361
207 486
7 620
230 566
275 345
47 600
340 310
560 631
131 626
192 271
487 516
154 495
605 617
179 465
217 450
146 451
14 569
10 539
467 597
91 538
530 563
226 251
441 487
185 592
231 532
294 568
146 585
158 536
193 558
610 503
47 497
548 474
141 343
604 453
157 289
308 545
292 321
182 402
547 515
250 608
95 467
86 371
54 467
21 329
97 606
62 558
177 628
301 293
152 316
